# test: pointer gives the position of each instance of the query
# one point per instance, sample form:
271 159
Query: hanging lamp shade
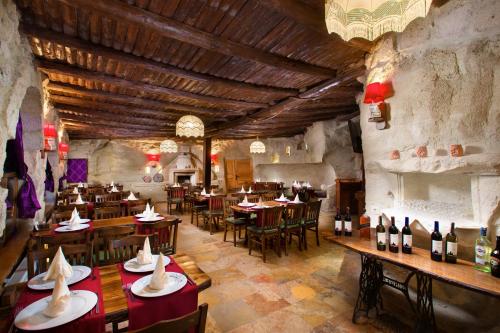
257 147
370 19
153 155
190 126
168 146
374 93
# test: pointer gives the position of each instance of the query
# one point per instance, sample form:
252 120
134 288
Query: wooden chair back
60 216
312 210
107 204
294 214
216 203
82 209
194 322
127 247
176 192
125 194
268 196
137 206
103 239
167 235
72 198
228 202
107 212
253 198
100 198
270 218
114 196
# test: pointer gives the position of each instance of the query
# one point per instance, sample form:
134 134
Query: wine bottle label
437 247
338 225
393 240
451 248
495 263
348 226
381 238
407 241
480 254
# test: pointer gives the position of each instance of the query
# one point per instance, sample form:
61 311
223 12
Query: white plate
175 282
68 229
31 318
142 215
134 267
81 221
79 273
155 219
261 207
79 203
248 204
281 200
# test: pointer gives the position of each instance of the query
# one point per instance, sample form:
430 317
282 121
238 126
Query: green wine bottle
381 238
393 236
436 243
407 237
451 246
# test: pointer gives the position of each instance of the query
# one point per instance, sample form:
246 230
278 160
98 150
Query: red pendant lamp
49 137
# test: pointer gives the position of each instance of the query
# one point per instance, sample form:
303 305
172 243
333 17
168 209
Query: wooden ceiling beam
92 127
142 103
106 123
151 65
48 67
185 33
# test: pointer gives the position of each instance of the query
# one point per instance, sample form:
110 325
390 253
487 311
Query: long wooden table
372 278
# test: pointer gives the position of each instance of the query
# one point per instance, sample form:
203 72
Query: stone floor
308 291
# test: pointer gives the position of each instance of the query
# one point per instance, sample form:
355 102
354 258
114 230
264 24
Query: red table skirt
143 312
146 229
90 322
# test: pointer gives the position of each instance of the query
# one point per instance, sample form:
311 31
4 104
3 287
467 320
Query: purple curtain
77 170
27 202
61 183
49 178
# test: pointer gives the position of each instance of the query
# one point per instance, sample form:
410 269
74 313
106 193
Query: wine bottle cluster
343 223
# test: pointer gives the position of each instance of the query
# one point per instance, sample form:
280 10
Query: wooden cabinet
238 173
346 194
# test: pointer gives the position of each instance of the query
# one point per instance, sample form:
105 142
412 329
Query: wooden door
238 173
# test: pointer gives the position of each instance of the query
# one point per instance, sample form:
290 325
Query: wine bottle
347 223
407 237
338 223
495 260
381 238
451 246
393 236
483 251
436 243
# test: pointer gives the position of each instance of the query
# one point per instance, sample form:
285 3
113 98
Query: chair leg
304 237
225 231
234 235
286 246
192 215
317 235
300 239
278 245
250 245
263 240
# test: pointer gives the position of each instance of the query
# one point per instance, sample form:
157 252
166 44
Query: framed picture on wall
77 170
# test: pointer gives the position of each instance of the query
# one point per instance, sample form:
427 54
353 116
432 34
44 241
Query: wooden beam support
207 163
105 123
48 67
185 33
126 58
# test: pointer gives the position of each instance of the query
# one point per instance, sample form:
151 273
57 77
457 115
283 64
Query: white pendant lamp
190 126
257 147
168 146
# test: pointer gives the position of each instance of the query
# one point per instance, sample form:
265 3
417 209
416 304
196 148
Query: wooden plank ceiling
130 69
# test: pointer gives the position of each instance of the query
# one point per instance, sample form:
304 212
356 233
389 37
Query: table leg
370 281
425 310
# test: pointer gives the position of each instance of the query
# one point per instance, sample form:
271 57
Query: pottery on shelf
422 151
456 150
395 155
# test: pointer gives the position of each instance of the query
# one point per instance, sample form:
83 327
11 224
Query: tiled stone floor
308 291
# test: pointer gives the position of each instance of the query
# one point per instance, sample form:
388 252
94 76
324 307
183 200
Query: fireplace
184 177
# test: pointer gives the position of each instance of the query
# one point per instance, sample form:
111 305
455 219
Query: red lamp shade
214 159
374 93
63 151
49 137
153 157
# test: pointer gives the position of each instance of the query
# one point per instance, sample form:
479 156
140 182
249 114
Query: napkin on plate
60 298
131 196
144 256
75 190
242 190
80 185
147 210
203 192
159 276
260 203
151 214
112 184
58 266
245 200
79 200
282 198
297 200
114 189
250 190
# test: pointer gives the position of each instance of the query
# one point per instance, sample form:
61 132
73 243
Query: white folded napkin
203 192
58 266
245 200
80 185
250 190
112 184
79 200
114 189
74 222
147 210
159 277
60 298
297 200
131 196
151 214
144 256
75 190
282 198
260 203
308 185
74 214
242 190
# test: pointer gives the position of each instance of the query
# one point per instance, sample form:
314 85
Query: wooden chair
236 224
266 229
103 238
175 196
215 211
72 198
197 209
167 235
125 194
253 198
293 224
100 198
107 212
107 204
311 220
127 247
269 196
194 322
60 216
137 206
114 196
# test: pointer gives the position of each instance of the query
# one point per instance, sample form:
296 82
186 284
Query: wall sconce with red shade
375 96
63 151
49 137
153 157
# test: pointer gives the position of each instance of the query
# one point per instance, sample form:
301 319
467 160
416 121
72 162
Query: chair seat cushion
290 226
234 220
175 200
212 213
309 222
256 229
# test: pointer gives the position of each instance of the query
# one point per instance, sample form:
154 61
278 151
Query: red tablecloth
90 322
146 311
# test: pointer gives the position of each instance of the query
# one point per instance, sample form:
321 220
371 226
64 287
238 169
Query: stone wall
445 72
19 83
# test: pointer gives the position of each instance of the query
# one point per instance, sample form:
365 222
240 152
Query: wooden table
249 210
372 278
115 300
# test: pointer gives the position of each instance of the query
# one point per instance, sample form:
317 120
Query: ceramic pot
395 155
456 150
422 151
